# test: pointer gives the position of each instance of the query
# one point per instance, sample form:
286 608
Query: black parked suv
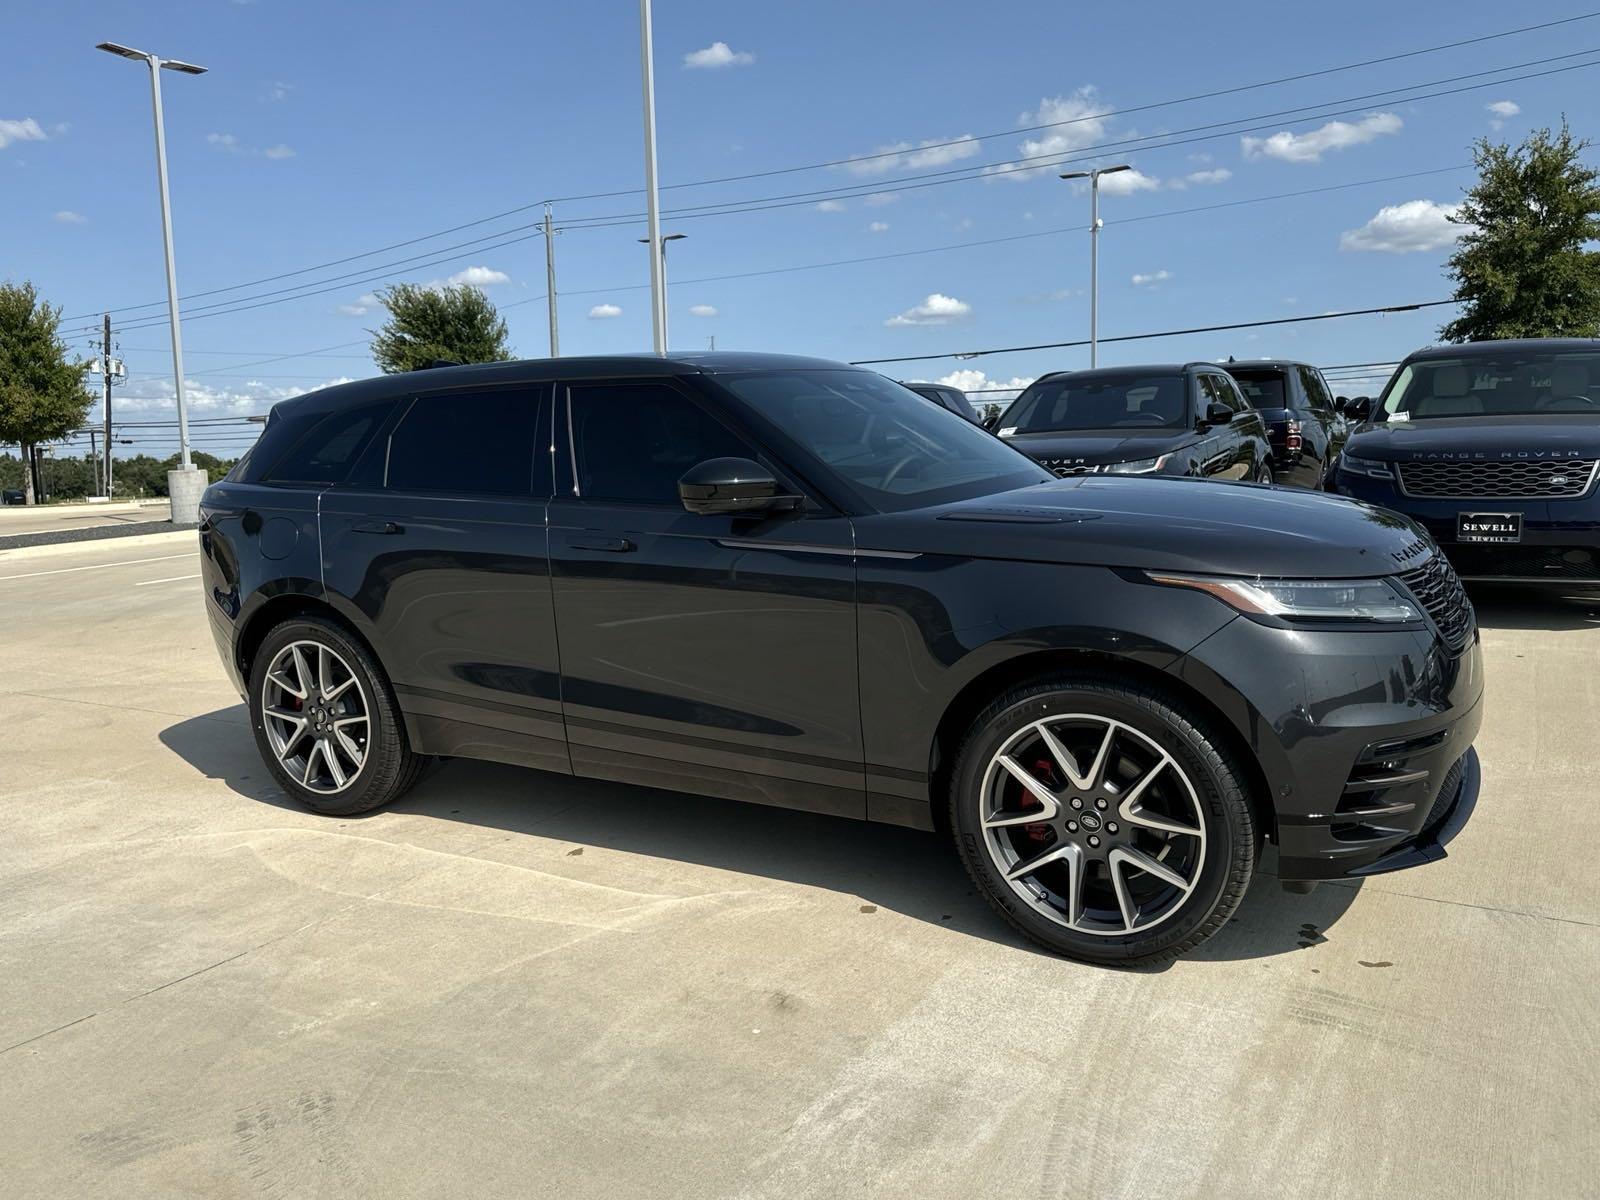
1305 422
1495 448
792 582
946 396
1180 419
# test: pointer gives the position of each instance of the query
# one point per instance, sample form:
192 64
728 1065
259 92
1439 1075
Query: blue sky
328 130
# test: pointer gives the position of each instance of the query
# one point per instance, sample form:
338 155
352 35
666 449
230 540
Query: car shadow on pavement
903 870
1503 606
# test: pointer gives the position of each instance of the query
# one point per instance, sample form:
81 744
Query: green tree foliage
1523 268
73 478
41 392
457 323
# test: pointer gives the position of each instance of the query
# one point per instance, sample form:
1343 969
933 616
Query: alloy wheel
1092 824
315 716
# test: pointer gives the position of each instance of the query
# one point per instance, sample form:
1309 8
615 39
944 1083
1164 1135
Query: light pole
671 237
647 70
185 491
1094 249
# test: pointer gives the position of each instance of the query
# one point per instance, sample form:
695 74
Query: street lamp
665 238
185 492
647 74
1094 248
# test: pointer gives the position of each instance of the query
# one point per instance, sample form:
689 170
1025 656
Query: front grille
1577 563
1499 479
1439 591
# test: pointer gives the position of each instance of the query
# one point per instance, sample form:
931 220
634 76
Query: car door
706 653
1228 451
1333 422
1314 411
439 544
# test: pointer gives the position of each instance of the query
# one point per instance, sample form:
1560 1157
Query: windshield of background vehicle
1495 385
1135 400
1264 389
889 445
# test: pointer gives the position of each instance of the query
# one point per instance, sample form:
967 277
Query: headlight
1139 466
1304 599
1365 466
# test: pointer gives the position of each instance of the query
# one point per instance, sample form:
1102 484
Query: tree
1522 268
426 323
41 394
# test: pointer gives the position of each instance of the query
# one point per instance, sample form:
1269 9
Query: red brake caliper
1044 773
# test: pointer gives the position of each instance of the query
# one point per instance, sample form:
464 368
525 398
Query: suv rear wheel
1102 820
326 721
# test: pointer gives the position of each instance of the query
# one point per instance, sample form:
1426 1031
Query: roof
1504 346
1148 368
1270 364
535 370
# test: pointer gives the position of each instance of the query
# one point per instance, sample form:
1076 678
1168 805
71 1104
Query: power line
1136 337
858 159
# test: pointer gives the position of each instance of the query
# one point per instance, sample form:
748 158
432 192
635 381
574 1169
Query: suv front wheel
1103 821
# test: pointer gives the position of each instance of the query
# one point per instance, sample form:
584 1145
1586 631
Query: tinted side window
1217 387
327 452
1316 390
634 441
468 442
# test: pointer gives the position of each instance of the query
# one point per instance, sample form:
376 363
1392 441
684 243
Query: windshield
1264 389
1496 385
1124 400
888 445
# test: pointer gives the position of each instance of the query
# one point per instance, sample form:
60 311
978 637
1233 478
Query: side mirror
1359 409
1218 413
991 422
1339 404
732 485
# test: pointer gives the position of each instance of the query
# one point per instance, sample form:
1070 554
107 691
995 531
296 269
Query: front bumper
1560 538
1364 739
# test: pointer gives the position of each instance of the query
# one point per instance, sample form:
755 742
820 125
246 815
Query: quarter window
1316 391
632 442
471 443
327 452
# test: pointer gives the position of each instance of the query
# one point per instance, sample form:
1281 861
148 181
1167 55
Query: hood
1097 447
1443 439
1162 523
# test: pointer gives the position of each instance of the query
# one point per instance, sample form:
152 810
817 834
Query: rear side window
634 441
328 451
1316 390
470 443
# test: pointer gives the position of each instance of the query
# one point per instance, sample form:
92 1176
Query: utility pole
94 456
658 293
1094 249
105 375
550 281
713 341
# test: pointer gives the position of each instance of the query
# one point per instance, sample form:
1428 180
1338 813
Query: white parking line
94 567
169 579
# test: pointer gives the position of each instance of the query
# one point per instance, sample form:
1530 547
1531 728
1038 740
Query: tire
1264 475
333 780
1196 786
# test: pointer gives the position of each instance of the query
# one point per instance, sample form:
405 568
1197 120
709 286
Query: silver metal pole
1094 268
172 268
550 280
664 342
658 287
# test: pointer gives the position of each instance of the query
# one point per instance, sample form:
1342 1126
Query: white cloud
830 206
702 310
477 277
154 394
604 312
278 151
903 156
718 54
1406 228
1503 110
1310 147
230 143
878 227
1217 175
278 91
879 199
1079 121
1153 277
67 217
363 304
225 141
25 130
970 380
1125 183
937 309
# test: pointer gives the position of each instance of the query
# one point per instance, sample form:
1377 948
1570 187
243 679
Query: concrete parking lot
517 984
65 518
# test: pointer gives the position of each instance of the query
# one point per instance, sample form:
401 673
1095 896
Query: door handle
378 527
612 545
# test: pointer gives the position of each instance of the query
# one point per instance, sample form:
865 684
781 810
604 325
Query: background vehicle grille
1482 479
1527 562
1439 591
1078 470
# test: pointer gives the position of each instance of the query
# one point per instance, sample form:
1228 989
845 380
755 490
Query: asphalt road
516 984
49 518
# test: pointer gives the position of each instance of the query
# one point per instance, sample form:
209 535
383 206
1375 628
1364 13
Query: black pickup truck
1304 421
